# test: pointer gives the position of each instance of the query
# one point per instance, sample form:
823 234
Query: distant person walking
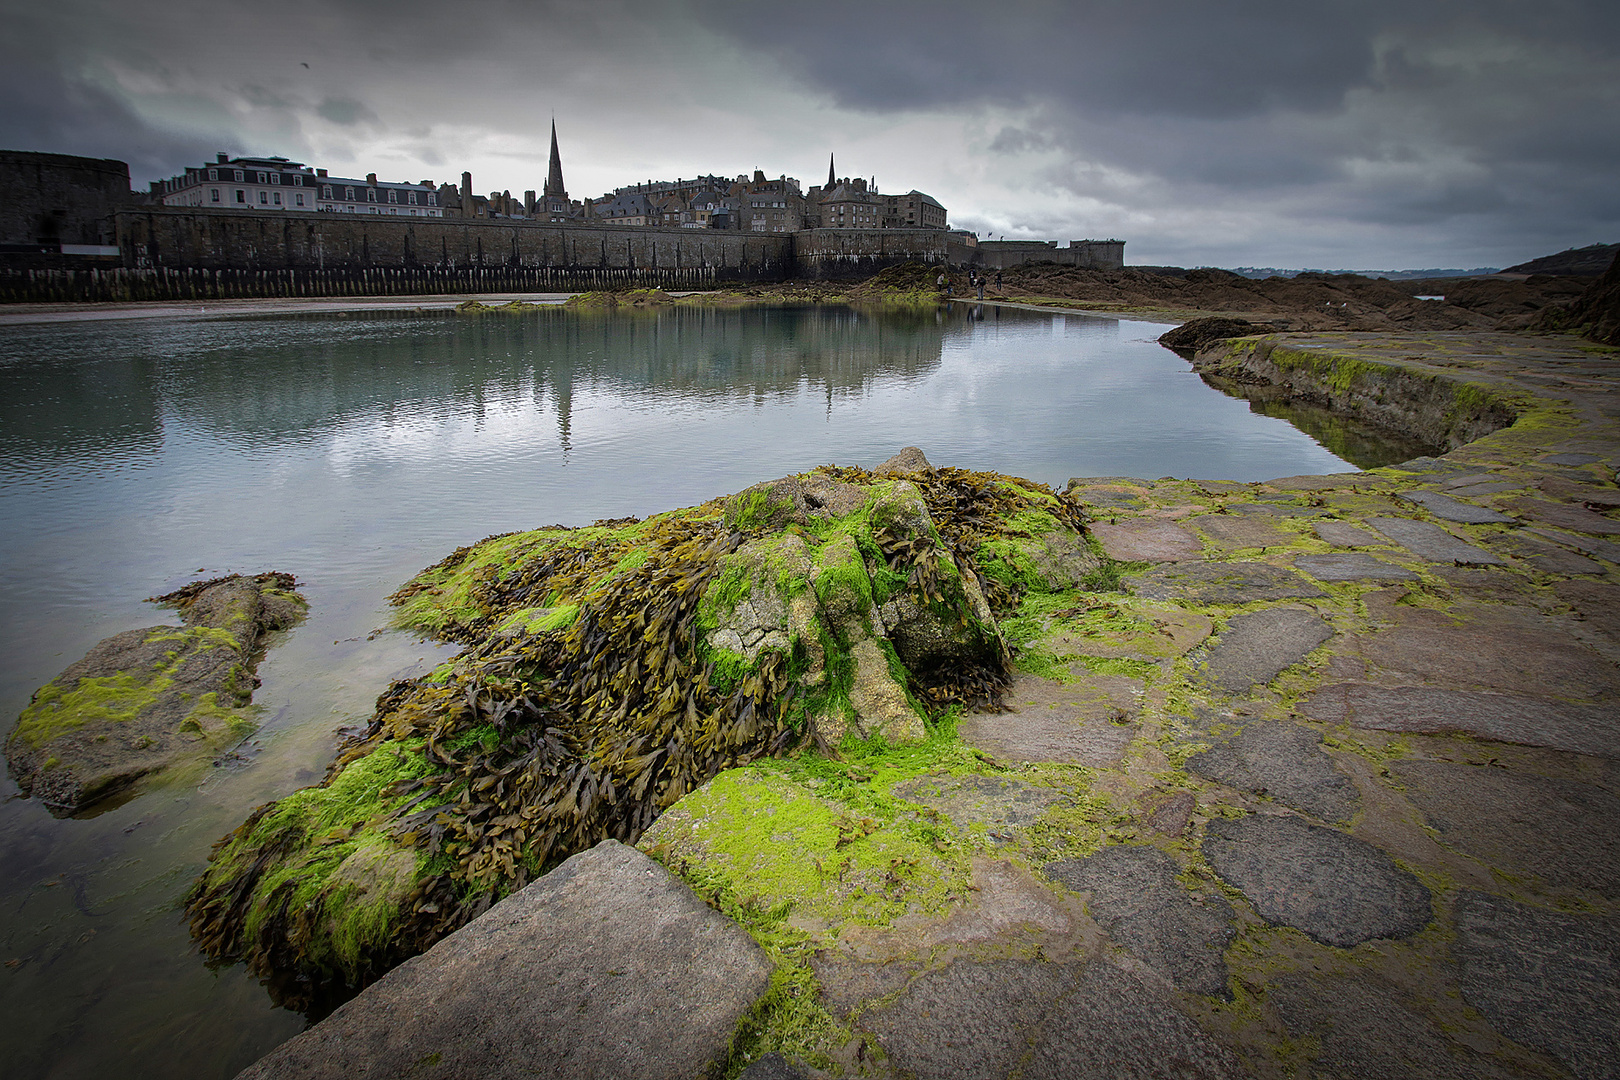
944 286
998 281
981 288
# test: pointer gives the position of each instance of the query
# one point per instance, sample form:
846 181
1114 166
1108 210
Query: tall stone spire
554 180
832 177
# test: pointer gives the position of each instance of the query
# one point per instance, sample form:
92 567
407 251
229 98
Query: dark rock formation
1188 338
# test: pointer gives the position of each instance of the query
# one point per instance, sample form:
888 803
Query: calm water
352 451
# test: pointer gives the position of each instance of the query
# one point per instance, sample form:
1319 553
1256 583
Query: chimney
371 178
759 176
320 172
528 201
466 185
223 157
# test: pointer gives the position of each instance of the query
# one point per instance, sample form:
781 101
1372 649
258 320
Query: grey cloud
1016 140
346 112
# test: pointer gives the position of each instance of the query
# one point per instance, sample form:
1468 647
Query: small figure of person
981 288
998 281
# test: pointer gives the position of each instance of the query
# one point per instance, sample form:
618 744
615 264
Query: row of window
262 177
266 198
371 195
273 198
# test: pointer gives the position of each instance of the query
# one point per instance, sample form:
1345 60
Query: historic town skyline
1381 135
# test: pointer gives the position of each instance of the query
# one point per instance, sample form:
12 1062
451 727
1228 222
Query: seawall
168 253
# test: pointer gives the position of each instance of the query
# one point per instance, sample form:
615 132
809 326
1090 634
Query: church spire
832 177
554 179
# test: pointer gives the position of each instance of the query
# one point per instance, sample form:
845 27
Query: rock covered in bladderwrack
148 699
612 669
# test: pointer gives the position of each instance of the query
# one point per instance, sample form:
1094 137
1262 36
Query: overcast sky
1365 134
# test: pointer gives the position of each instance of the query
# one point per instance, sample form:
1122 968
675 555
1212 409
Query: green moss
57 710
117 699
1134 669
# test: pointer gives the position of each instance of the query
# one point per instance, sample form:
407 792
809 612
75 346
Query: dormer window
371 194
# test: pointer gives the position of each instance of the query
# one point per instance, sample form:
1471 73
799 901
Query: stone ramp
605 967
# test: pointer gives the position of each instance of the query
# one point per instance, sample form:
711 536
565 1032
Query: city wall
185 254
859 253
169 253
1086 254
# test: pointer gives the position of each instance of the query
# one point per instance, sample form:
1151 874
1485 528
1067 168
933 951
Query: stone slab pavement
607 966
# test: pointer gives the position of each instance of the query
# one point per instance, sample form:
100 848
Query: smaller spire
832 176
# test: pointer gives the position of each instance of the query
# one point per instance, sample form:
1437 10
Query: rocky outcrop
611 670
1189 337
1595 313
1436 409
145 700
607 966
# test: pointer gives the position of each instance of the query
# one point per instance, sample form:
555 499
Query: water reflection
1361 444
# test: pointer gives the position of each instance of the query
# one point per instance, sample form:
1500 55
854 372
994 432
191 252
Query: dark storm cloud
53 107
1198 131
1472 121
1189 58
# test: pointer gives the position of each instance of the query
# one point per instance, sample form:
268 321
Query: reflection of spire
554 179
832 176
562 388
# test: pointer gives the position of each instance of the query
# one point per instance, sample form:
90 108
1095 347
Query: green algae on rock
147 699
612 669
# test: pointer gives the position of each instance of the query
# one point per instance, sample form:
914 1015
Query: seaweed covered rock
609 671
146 699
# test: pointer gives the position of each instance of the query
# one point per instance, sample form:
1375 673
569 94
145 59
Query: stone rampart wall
855 253
227 240
1087 254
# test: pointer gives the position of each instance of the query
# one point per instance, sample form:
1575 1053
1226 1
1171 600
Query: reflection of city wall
307 373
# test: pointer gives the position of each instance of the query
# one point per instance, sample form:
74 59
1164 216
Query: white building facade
275 183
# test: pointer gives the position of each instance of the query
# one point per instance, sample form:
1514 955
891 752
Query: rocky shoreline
1311 776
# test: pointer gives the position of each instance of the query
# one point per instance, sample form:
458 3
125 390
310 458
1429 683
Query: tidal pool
353 450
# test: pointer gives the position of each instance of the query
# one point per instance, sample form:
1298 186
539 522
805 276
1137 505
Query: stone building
913 210
770 206
629 209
